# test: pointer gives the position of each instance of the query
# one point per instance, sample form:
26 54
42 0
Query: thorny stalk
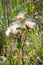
4 13
39 12
8 10
16 6
23 41
22 51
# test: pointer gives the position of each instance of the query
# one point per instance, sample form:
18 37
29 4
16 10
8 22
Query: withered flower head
13 29
21 16
30 24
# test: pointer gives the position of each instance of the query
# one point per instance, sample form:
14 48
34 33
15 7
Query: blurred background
11 52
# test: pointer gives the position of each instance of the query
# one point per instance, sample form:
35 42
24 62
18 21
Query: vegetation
26 47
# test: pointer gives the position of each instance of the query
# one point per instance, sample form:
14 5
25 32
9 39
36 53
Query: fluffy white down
30 24
12 29
8 32
20 17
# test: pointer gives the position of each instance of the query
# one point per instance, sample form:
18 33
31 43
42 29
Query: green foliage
32 36
0 8
22 28
18 45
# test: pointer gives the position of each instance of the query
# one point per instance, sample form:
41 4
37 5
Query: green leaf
22 28
18 45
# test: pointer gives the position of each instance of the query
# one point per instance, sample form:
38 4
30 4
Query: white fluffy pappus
8 32
30 24
21 16
13 29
